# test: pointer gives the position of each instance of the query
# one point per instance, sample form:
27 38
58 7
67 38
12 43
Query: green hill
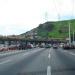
58 29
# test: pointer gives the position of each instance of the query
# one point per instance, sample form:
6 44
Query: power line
56 9
72 16
72 8
59 19
46 16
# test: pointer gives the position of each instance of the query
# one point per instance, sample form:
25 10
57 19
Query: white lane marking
5 62
72 53
50 50
69 53
49 53
49 56
49 67
48 70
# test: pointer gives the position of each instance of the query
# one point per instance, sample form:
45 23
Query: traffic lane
62 63
38 66
16 66
15 58
8 56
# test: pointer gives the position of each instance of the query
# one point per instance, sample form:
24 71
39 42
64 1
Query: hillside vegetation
57 29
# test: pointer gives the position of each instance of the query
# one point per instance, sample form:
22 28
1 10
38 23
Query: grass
59 25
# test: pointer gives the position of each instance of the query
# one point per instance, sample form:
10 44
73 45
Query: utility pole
69 33
73 37
46 16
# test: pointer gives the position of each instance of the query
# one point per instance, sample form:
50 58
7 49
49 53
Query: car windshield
37 37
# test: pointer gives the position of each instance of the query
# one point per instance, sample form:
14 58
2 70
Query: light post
73 37
69 33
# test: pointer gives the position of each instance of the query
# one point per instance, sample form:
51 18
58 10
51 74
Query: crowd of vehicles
24 46
15 47
30 46
68 46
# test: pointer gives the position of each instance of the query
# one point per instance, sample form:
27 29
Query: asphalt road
38 61
62 62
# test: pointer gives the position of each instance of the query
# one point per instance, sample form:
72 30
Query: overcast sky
19 16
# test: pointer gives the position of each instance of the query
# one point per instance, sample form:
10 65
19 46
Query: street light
69 33
73 37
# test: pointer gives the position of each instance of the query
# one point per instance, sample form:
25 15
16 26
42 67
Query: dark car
22 46
47 46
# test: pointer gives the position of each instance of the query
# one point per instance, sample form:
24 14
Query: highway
38 61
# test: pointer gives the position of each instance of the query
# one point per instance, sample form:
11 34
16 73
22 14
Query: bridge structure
10 41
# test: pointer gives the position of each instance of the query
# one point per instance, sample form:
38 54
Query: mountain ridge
58 29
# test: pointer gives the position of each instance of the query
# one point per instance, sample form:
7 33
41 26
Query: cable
72 9
56 10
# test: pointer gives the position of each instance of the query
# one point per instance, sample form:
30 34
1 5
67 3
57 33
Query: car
29 46
22 46
41 46
47 46
61 45
68 47
55 46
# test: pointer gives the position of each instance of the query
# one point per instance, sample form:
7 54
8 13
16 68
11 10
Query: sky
19 16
